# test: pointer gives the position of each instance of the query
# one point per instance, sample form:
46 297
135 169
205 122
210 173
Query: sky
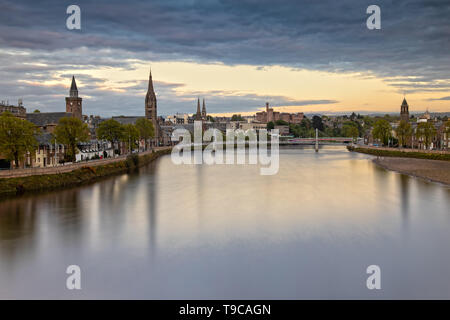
313 56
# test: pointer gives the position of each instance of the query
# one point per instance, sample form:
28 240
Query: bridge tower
317 140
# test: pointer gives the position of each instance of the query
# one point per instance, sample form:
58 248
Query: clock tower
73 102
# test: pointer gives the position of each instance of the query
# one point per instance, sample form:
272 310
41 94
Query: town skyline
189 105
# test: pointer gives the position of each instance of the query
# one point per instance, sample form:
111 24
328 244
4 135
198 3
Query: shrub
132 161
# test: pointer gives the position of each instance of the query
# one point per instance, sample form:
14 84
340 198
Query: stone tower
204 110
150 105
74 103
404 111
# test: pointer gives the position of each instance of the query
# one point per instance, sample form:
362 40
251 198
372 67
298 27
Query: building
48 153
178 118
151 108
283 130
18 111
404 111
424 117
271 116
46 121
74 104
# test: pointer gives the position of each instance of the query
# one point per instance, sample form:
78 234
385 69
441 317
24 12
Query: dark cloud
411 50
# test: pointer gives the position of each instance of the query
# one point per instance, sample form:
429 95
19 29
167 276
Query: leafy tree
347 131
281 123
350 130
404 132
17 137
146 130
37 111
426 131
110 130
382 131
306 123
130 136
317 123
270 125
237 117
70 132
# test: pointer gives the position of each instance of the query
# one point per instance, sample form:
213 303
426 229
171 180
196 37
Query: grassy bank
16 186
401 153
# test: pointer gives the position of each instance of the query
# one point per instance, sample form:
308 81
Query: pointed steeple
150 103
198 115
73 88
150 82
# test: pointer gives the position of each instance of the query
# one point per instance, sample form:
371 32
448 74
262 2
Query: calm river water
212 232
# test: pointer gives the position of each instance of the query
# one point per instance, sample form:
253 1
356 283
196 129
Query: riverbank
86 174
431 170
402 153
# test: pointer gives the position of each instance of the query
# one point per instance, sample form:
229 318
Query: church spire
204 110
198 115
73 88
150 82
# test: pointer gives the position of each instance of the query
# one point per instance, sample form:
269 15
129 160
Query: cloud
439 99
411 49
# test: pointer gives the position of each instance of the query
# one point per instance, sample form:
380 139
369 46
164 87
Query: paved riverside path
15 173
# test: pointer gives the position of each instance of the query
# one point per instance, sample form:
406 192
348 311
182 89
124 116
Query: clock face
71 103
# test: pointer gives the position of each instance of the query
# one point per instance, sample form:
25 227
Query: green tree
281 123
17 137
146 130
350 130
382 131
110 130
130 136
37 111
317 123
426 132
70 132
404 132
237 117
270 125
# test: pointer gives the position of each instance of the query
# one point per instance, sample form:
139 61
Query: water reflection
228 232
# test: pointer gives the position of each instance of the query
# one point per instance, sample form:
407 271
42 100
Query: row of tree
425 131
19 137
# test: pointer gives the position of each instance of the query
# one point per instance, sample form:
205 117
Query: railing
15 173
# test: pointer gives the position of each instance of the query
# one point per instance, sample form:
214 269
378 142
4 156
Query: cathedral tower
74 103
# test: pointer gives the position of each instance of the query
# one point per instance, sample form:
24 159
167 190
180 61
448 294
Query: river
227 232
